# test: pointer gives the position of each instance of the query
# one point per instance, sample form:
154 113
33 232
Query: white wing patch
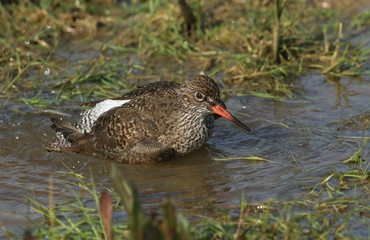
89 117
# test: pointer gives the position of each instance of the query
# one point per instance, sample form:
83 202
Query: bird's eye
199 96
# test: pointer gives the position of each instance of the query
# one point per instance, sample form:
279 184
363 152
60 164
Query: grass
326 211
238 42
53 52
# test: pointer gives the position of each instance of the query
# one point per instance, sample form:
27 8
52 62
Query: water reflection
305 146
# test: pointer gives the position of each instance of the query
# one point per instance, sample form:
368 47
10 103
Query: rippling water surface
299 137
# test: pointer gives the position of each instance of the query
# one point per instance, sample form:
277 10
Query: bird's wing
139 91
122 128
99 107
126 135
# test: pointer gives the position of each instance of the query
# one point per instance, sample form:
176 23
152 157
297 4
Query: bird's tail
80 142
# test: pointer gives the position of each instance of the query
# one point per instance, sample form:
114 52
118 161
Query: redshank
153 123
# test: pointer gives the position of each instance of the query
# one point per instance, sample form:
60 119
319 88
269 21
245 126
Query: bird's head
203 94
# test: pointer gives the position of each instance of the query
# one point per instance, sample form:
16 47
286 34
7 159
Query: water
309 148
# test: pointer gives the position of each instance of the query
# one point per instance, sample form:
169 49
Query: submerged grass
250 158
328 211
116 45
71 219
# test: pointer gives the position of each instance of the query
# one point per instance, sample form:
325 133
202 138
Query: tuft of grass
338 183
312 217
121 42
142 226
358 170
288 220
72 219
117 45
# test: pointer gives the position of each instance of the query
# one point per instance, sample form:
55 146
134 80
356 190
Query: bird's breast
191 133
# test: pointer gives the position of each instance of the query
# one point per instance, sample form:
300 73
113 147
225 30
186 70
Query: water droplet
17 137
27 42
47 71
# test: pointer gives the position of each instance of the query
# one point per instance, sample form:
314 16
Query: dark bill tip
218 109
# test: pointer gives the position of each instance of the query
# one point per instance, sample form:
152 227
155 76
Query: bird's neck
192 130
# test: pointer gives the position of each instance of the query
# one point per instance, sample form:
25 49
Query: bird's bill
218 109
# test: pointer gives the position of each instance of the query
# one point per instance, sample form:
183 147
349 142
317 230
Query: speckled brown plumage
140 90
161 121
